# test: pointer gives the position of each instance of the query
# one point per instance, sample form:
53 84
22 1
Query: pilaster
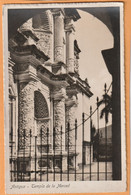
26 113
26 77
70 32
71 108
58 36
59 95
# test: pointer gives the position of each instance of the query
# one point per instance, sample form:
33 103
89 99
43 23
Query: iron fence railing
41 160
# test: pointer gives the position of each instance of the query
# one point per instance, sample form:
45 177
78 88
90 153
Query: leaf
107 101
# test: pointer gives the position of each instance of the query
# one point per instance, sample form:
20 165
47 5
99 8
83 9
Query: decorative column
26 113
26 124
58 96
25 75
76 57
71 106
58 36
70 31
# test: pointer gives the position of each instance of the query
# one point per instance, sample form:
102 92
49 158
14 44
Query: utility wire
87 117
91 113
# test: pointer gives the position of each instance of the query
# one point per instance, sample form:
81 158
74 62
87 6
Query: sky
93 36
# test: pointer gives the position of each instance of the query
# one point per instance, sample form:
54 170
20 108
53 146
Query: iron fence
41 160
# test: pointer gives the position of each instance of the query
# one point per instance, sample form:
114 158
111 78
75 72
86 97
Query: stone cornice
25 59
42 30
28 33
58 64
54 80
63 77
78 87
72 90
71 102
26 77
59 68
59 93
29 50
50 82
83 89
84 82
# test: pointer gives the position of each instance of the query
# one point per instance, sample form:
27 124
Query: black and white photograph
64 98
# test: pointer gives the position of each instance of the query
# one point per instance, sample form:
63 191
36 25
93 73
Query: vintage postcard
64 98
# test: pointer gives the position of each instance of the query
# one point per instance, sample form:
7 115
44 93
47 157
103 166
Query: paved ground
94 173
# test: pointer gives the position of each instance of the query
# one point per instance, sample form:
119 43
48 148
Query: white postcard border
71 186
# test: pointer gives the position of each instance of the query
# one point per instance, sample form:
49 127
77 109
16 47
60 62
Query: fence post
18 157
83 120
54 150
11 137
90 138
75 145
41 154
68 150
24 155
61 155
98 138
35 155
47 151
30 155
105 89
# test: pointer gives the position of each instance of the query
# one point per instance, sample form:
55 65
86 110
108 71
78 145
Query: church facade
46 94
